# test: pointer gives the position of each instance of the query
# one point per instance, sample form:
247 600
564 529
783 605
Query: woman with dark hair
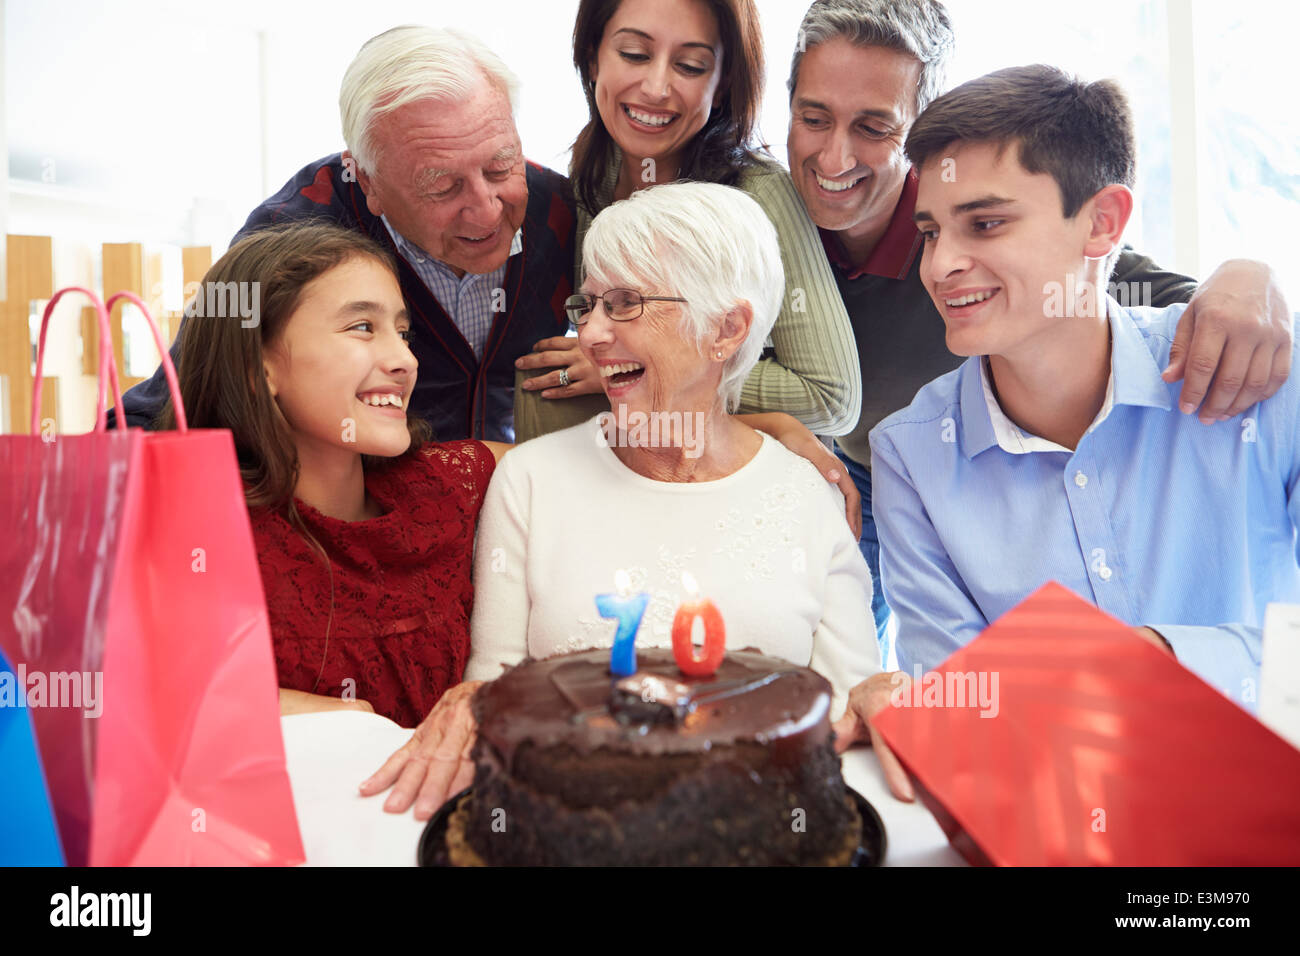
364 529
673 89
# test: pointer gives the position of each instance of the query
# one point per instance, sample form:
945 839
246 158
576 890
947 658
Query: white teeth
835 187
607 370
968 299
377 399
647 119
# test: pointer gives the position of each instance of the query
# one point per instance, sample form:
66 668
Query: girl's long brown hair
222 379
720 151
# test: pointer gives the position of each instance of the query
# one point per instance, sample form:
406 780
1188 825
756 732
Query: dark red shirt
402 592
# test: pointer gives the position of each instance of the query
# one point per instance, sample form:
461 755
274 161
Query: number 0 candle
715 633
628 609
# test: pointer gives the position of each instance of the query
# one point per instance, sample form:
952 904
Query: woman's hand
865 701
435 762
562 350
301 702
794 435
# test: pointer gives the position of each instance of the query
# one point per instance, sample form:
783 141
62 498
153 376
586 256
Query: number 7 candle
628 609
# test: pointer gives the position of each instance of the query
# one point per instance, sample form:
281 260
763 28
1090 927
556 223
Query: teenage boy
1056 451
861 73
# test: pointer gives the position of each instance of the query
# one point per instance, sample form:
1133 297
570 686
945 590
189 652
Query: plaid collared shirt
467 300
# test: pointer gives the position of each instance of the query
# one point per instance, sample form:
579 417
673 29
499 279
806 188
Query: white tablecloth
329 754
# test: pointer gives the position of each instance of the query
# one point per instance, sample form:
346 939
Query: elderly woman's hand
794 435
561 350
865 701
435 762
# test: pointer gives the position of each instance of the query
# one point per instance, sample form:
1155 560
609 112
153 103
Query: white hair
412 63
709 244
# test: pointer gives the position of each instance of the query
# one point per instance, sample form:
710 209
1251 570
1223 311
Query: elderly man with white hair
434 171
683 282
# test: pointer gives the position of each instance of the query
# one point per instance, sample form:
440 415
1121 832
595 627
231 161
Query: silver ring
564 377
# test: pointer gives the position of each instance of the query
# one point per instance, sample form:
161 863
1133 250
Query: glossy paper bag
131 569
1095 748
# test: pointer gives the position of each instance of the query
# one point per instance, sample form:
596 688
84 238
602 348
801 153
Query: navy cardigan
459 395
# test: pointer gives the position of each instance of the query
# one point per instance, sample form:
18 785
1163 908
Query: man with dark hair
1056 452
862 72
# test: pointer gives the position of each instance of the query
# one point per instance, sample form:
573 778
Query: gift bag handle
107 368
169 369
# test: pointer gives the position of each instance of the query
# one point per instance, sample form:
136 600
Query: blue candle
627 609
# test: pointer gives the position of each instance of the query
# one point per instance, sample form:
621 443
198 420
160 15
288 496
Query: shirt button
1080 479
1105 573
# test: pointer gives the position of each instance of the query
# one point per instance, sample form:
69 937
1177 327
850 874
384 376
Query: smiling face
658 74
648 363
996 239
450 177
343 356
851 109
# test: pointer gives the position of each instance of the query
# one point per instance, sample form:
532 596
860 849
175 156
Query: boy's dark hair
1080 133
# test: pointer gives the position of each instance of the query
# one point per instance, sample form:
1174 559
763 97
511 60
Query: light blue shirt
471 301
1155 518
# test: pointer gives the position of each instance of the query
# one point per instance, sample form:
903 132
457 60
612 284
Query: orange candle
715 633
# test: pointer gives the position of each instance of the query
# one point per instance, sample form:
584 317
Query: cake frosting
574 766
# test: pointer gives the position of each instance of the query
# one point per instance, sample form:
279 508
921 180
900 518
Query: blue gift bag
28 836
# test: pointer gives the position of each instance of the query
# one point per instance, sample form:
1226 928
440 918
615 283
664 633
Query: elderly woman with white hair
683 282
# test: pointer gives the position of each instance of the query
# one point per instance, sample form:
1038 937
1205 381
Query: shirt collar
1011 437
412 251
1134 380
894 253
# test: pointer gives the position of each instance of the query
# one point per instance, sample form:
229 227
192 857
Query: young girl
364 529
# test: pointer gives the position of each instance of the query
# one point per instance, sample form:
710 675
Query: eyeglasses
621 305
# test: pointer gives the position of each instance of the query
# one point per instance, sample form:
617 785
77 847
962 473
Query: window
1248 134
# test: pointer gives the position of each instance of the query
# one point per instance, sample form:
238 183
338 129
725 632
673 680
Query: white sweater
768 544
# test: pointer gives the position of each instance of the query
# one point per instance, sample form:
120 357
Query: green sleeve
1138 281
815 375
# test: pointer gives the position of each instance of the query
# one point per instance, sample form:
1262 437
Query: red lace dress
402 591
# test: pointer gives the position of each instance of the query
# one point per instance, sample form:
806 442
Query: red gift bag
1095 748
131 600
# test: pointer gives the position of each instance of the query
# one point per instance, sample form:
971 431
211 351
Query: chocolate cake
575 767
